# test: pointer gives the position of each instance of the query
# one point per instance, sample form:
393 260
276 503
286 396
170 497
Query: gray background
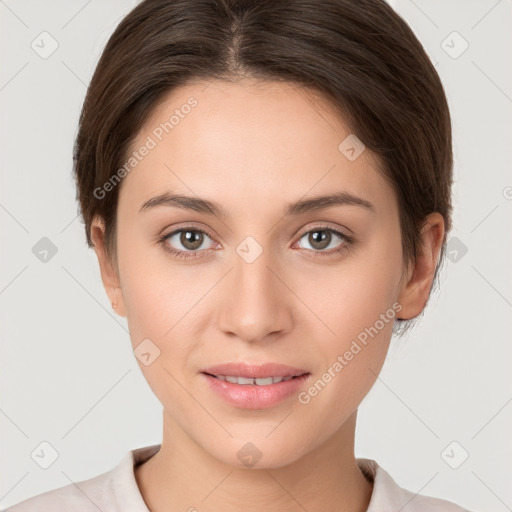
68 376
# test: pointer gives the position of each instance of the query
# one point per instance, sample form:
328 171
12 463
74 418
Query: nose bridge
257 302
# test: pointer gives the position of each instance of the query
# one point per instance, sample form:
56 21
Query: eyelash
183 255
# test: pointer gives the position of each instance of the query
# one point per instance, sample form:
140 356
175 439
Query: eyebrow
297 208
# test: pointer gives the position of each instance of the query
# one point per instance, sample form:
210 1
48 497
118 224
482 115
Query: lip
252 396
254 371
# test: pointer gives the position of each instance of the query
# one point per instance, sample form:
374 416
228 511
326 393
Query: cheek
352 295
352 357
160 313
357 301
157 291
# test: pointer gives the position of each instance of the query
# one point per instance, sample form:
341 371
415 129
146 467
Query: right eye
190 238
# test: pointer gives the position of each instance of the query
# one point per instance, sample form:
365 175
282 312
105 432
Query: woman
267 186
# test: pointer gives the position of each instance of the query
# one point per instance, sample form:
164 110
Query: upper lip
255 371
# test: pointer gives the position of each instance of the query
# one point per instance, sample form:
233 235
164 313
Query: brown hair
360 56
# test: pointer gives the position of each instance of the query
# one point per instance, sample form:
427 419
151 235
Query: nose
257 304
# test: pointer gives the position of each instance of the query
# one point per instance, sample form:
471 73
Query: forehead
249 144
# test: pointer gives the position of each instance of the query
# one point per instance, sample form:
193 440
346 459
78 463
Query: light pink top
117 491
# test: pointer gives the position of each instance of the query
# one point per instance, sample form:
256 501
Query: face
315 286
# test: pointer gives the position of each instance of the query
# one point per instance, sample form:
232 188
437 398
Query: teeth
249 381
265 381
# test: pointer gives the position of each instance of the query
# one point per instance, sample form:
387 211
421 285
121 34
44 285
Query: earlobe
109 275
416 289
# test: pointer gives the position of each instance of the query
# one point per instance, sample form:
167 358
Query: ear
416 288
109 275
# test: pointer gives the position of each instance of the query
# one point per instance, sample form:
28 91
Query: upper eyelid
326 227
190 227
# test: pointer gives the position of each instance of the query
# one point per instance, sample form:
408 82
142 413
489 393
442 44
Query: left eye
321 238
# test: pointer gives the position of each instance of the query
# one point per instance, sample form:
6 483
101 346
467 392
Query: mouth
255 387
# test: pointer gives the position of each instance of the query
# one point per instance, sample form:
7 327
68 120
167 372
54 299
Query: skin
254 147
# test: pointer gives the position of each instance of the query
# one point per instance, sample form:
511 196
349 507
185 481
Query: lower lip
252 396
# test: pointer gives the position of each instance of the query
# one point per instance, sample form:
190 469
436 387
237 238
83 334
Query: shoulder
85 496
113 491
388 496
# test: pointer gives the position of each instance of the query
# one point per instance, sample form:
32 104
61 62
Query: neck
182 476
